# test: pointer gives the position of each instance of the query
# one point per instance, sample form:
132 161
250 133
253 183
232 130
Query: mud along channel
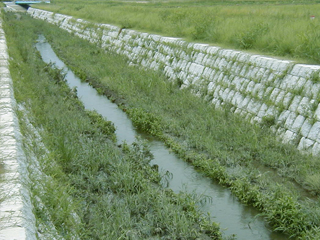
234 218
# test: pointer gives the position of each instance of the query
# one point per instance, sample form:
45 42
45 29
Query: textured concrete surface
16 217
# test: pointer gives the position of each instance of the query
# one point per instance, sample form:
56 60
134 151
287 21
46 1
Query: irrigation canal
233 217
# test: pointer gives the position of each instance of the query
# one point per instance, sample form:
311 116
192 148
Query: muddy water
233 217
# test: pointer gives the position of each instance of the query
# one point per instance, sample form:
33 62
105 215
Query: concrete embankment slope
279 93
16 217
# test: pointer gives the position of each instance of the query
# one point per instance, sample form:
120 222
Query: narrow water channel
233 217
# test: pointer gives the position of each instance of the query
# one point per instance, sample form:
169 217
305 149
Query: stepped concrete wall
280 93
16 218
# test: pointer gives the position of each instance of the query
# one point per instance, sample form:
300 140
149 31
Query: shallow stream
233 217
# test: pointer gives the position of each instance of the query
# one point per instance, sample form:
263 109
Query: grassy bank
262 172
83 185
269 27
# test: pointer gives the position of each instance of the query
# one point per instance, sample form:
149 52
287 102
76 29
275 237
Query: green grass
259 170
281 29
89 187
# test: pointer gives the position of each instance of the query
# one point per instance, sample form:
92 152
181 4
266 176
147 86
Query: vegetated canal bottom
233 217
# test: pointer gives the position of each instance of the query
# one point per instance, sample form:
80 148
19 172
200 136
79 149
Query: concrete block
225 94
314 131
245 71
226 53
287 99
307 89
317 113
222 64
217 90
237 82
196 69
196 80
267 62
272 111
305 144
268 91
243 57
307 70
283 117
207 73
289 82
315 90
295 103
289 137
304 106
237 99
250 86
260 74
201 47
253 60
231 95
258 90
296 69
290 120
263 110
271 78
299 84
200 58
316 149
305 128
274 94
253 107
297 124
279 99
281 65
211 87
244 85
211 50
236 69
253 73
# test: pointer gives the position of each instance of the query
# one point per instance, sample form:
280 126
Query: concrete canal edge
16 218
280 93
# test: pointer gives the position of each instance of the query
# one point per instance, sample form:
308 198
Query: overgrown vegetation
91 188
284 28
259 170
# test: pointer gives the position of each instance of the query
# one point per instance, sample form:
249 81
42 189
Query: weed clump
146 122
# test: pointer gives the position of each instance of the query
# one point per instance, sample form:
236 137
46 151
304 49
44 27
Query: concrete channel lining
16 218
259 88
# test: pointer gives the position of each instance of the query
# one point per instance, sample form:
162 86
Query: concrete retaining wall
16 218
280 93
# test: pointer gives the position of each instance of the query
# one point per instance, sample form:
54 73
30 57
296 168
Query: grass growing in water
114 192
268 27
222 145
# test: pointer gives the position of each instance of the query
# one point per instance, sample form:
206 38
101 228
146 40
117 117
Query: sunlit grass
262 26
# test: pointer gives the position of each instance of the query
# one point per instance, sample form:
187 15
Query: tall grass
262 26
113 191
245 157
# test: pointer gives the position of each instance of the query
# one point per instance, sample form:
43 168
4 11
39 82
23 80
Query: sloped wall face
16 218
276 92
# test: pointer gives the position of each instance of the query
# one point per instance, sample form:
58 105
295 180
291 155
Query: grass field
278 28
